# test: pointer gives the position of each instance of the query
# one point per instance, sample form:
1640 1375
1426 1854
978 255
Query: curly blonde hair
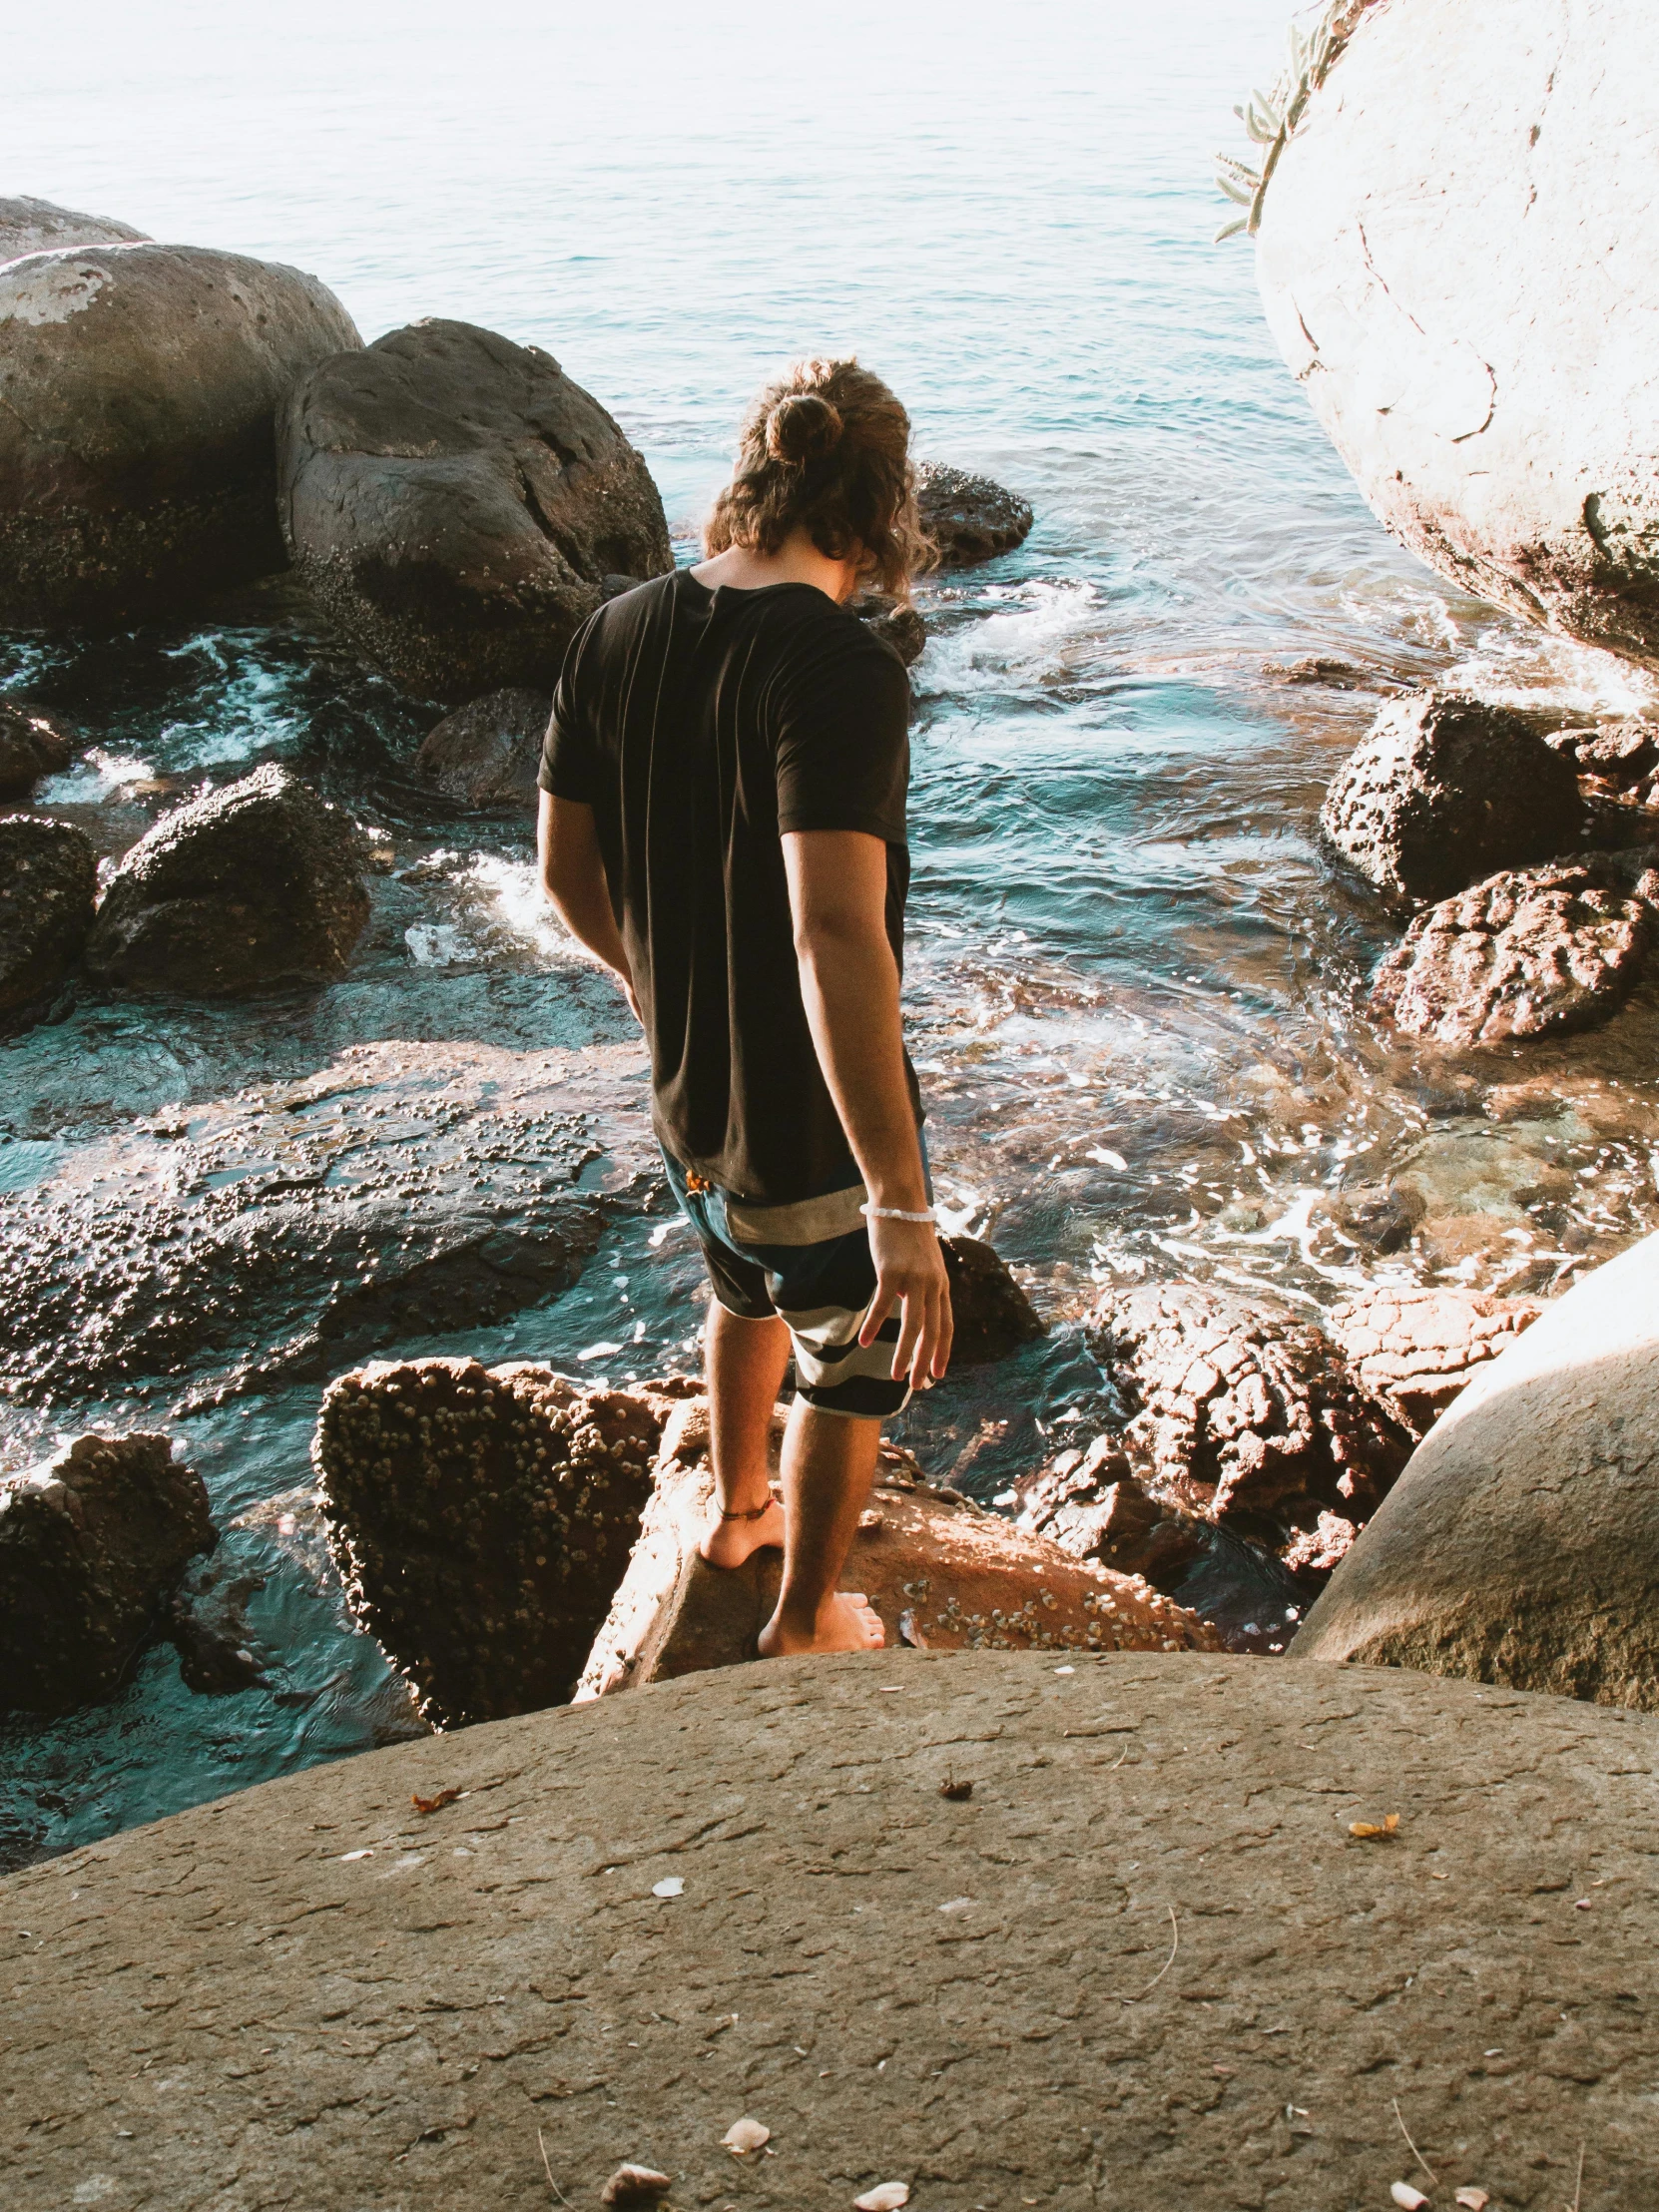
824 448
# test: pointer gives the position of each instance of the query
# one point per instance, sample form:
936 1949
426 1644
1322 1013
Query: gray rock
1536 953
32 745
137 453
1152 1864
30 225
482 1522
898 621
1413 1347
255 884
1447 790
991 1313
487 752
1479 356
48 880
91 1545
1521 1544
459 506
969 518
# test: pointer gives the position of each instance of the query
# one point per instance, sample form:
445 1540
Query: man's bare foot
846 1621
727 1543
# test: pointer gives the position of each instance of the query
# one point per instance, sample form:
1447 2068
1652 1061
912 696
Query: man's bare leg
743 1361
828 1469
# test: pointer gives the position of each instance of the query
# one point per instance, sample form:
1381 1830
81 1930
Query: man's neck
797 561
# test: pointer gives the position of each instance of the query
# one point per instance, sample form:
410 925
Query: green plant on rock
1271 118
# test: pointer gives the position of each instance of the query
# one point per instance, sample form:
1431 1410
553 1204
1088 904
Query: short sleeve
842 725
567 756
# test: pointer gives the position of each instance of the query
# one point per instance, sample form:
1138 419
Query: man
723 824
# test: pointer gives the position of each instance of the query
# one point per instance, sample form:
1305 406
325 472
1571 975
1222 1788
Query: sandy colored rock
1521 1544
1454 258
969 518
48 878
1415 1345
29 225
1145 1935
487 752
1536 953
92 1543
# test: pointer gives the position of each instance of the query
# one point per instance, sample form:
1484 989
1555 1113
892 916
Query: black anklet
753 1513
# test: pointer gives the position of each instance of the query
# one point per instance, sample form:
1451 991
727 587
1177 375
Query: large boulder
137 453
29 225
1413 1347
459 506
1533 954
969 518
1445 789
1521 1544
481 1521
997 1931
487 752
255 884
48 880
32 745
1454 255
92 1543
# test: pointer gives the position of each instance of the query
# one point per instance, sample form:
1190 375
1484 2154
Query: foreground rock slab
92 1543
1521 1544
138 464
969 518
638 1913
48 878
458 506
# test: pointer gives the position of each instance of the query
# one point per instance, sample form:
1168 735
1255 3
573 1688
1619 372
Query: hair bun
803 428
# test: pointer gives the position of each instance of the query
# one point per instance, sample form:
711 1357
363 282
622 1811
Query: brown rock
1413 1348
1534 954
1623 755
481 1521
898 621
1091 1505
487 754
990 1313
91 1545
969 518
1445 789
1318 1549
32 745
48 878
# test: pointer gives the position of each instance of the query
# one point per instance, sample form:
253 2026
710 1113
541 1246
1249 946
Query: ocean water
1136 991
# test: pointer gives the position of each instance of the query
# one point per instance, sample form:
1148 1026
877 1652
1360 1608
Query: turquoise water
1135 992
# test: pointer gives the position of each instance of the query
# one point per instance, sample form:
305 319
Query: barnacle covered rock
480 1520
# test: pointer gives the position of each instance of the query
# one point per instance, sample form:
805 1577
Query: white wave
96 778
438 944
1042 632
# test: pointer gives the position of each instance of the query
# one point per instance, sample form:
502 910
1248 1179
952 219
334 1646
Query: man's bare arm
837 882
573 876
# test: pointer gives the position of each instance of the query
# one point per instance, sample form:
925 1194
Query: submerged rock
92 1543
1412 1348
481 1521
1529 954
32 745
255 884
1445 789
1521 1544
30 225
990 1313
457 507
487 754
898 621
48 880
137 452
1523 466
969 518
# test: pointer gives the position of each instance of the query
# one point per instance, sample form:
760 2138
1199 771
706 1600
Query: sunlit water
1135 990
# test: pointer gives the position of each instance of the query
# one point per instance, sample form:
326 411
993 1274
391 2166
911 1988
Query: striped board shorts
810 1263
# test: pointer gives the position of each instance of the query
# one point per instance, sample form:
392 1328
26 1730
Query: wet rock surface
32 744
255 884
503 1962
48 880
456 506
1412 1348
92 1543
990 1313
1538 952
482 1522
137 454
969 518
1521 1544
29 225
402 1190
898 621
487 754
1447 790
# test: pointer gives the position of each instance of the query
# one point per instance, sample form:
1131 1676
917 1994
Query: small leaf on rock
745 2135
1404 2193
1367 1831
1473 2200
886 2196
634 2185
957 1792
434 1804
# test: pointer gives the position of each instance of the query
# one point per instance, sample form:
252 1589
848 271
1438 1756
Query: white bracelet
896 1213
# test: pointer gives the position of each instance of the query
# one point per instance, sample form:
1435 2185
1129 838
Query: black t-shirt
700 726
